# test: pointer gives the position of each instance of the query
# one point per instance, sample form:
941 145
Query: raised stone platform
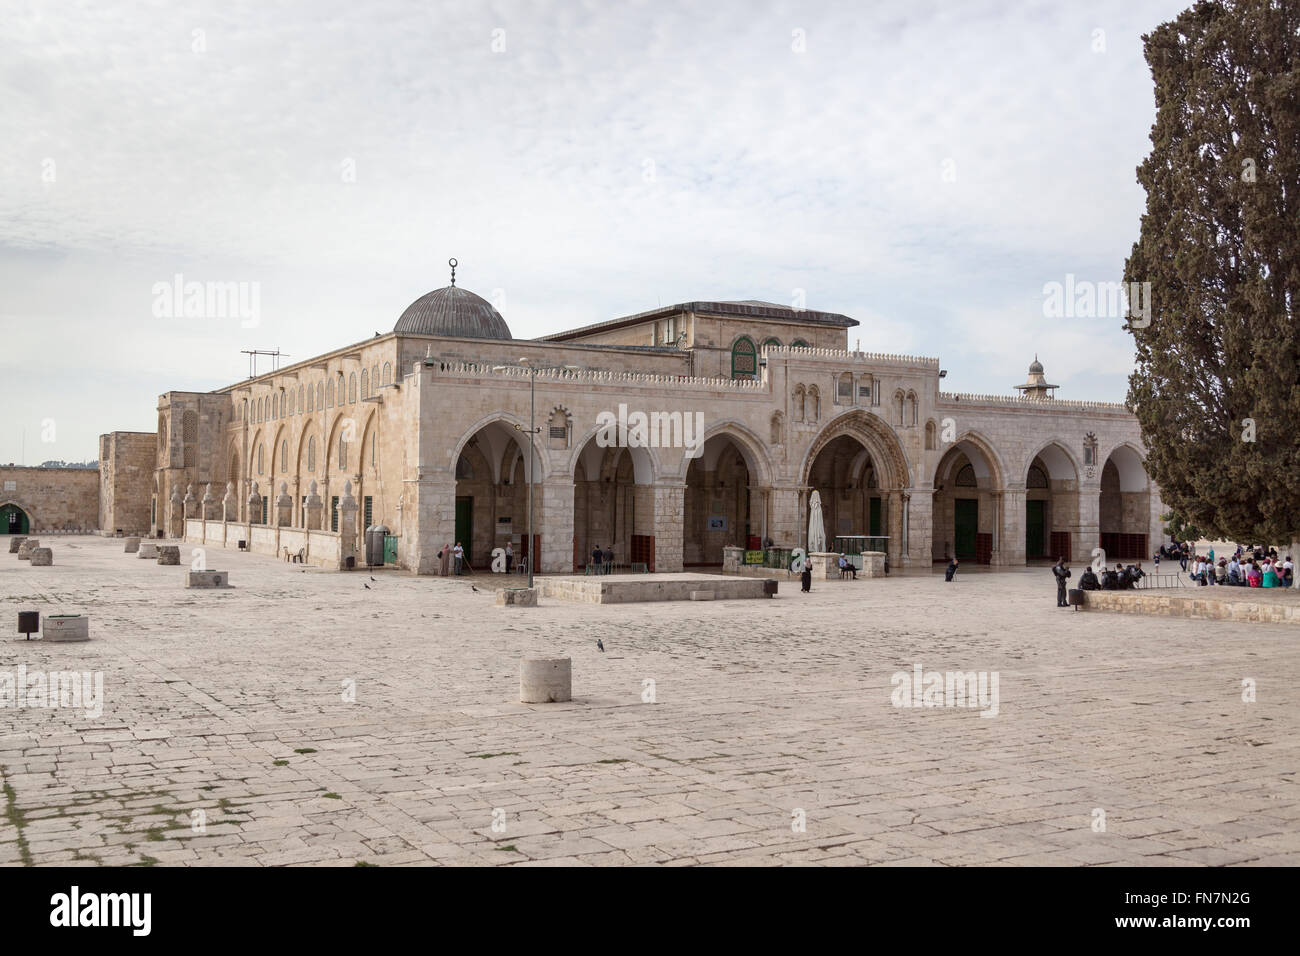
1247 605
207 579
629 588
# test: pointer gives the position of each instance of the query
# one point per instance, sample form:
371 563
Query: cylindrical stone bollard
14 543
169 554
132 545
66 627
546 680
25 549
42 557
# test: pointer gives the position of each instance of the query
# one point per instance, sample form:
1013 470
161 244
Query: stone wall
126 477
54 499
1275 606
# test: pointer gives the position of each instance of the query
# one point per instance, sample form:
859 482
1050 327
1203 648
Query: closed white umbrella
816 526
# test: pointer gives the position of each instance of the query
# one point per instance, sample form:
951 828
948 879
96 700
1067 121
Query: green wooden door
1034 522
390 549
13 520
966 520
465 525
873 523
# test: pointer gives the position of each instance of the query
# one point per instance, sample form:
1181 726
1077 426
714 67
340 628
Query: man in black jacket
1062 573
1088 580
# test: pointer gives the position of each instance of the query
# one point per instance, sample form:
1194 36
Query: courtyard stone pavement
300 718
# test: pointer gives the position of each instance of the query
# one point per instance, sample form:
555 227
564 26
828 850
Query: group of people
602 561
1254 567
1120 578
449 555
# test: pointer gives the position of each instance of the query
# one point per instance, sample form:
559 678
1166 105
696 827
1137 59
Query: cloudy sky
924 167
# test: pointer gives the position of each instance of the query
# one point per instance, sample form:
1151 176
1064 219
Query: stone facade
431 432
127 461
49 499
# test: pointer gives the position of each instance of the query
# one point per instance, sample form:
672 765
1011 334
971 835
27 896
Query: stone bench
517 597
15 542
147 551
207 579
42 557
66 627
132 545
25 549
169 554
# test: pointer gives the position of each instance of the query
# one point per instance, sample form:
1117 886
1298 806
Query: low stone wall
320 548
597 591
1267 609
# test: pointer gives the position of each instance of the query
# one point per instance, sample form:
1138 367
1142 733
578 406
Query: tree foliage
1216 388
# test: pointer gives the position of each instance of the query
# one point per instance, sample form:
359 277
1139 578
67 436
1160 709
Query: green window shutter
334 513
368 510
744 358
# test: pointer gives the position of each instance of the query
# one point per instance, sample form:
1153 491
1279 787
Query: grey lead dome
452 311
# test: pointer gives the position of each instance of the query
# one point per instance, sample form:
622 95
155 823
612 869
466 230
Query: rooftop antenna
453 263
252 359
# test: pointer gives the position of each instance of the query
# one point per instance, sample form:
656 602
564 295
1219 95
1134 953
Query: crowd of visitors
1253 566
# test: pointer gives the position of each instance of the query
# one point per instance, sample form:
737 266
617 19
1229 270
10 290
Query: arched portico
969 510
1124 506
859 468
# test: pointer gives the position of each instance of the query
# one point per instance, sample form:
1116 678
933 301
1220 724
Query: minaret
1036 385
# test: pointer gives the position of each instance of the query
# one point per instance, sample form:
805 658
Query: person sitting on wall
1088 580
846 567
1135 573
1254 577
1109 580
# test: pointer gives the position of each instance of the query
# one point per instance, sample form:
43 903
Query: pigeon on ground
365 585
372 577
601 645
474 589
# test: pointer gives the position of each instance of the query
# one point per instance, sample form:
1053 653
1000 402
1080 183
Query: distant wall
55 499
126 478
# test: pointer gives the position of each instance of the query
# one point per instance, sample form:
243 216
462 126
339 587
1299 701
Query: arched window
261 460
814 403
293 403
320 394
929 436
284 455
329 394
966 477
799 344
772 343
301 398
912 408
343 452
798 403
374 377
352 389
311 453
365 383
844 389
898 408
311 394
778 429
744 358
388 374
1037 478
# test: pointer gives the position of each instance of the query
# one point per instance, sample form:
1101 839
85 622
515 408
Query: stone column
785 508
313 507
670 505
553 520
920 528
176 515
190 505
254 511
209 503
1012 538
283 507
1086 534
431 516
347 525
230 504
